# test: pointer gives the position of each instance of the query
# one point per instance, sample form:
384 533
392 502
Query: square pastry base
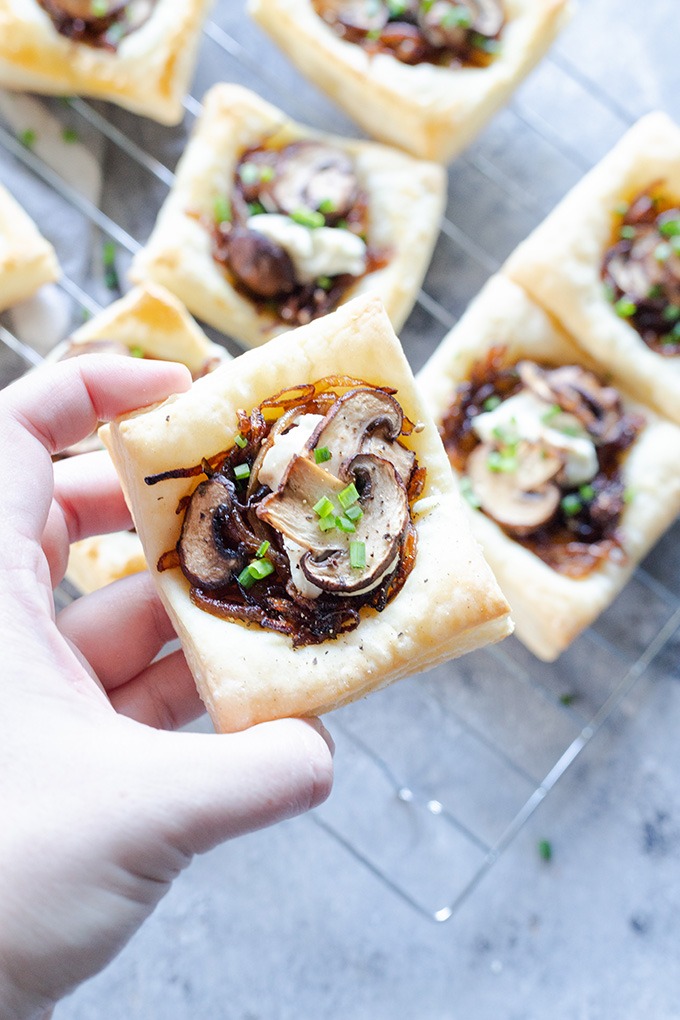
560 263
432 112
148 73
405 197
27 260
153 321
550 609
449 604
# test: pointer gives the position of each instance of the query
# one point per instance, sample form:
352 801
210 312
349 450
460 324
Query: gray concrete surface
313 919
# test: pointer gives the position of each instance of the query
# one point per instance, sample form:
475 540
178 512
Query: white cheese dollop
284 448
314 252
526 416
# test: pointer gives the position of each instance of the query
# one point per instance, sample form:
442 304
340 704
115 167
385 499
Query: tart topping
641 271
307 519
445 32
540 452
99 23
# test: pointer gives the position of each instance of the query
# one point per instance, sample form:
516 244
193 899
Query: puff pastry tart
569 480
148 322
421 74
270 225
307 536
139 54
27 260
606 262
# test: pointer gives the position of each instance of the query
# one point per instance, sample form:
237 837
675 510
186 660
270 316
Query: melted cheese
322 251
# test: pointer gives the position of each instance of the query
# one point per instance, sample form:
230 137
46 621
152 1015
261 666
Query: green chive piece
259 569
242 471
256 209
621 208
322 454
99 8
308 218
671 228
357 555
245 578
671 313
545 850
327 523
324 508
223 213
628 495
396 8
457 17
28 138
136 352
628 232
373 35
355 513
70 135
571 504
656 291
663 252
263 549
327 206
267 174
324 282
586 492
567 698
348 496
491 403
551 414
344 524
249 173
625 307
240 441
469 494
109 253
501 461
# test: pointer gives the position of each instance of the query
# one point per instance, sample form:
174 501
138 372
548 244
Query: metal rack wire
437 775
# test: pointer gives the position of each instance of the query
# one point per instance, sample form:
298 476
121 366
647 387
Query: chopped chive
70 135
109 253
373 35
327 523
468 493
267 174
242 471
483 43
621 208
551 414
656 291
327 206
99 8
628 232
628 495
491 403
545 850
28 138
240 441
342 225
354 513
671 313
256 209
663 252
348 496
322 454
671 228
357 555
345 524
136 352
222 209
625 308
571 504
245 578
308 218
260 569
498 461
396 8
263 549
586 492
324 282
675 245
567 698
324 508
249 173
457 17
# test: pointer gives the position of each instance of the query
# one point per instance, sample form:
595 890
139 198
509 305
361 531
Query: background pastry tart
606 262
359 499
569 480
420 75
27 260
270 224
149 322
138 54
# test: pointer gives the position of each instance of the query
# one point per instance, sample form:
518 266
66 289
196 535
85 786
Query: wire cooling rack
436 775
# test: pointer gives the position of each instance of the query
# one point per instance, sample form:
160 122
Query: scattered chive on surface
263 549
222 209
357 555
137 351
571 504
327 206
348 496
327 523
545 850
625 307
324 507
344 524
491 403
28 138
308 218
70 135
242 471
240 441
322 454
354 513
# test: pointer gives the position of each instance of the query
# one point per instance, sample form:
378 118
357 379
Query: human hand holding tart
606 262
270 225
570 481
308 540
421 74
138 54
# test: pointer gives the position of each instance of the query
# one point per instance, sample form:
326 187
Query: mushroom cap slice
523 500
312 174
363 421
326 563
578 392
440 28
204 558
263 266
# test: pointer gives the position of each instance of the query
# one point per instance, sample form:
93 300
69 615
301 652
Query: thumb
217 786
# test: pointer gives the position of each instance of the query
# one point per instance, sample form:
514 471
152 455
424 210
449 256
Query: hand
101 808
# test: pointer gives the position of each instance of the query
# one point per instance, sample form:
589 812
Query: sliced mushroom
578 392
86 10
326 563
520 500
361 15
204 558
312 175
441 25
263 266
364 421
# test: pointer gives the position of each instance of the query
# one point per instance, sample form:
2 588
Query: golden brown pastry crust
148 73
27 260
450 602
550 609
406 199
153 319
433 112
560 263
